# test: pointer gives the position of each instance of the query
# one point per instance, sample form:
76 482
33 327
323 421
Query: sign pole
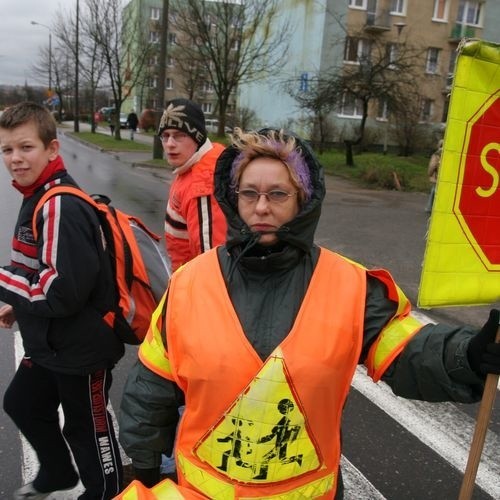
483 418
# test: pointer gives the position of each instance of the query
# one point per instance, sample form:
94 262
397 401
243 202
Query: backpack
140 270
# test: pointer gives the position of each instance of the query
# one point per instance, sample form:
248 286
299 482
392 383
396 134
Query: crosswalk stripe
356 486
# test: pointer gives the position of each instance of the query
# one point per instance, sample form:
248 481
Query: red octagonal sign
477 204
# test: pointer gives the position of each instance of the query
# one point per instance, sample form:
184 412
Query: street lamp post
35 23
76 122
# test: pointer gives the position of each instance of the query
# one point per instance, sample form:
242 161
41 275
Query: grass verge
380 171
109 143
372 170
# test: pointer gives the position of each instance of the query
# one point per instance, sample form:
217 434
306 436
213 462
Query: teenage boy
57 288
194 222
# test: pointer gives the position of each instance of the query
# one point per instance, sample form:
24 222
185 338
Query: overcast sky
20 41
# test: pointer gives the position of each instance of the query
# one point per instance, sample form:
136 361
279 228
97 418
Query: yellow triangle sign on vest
263 437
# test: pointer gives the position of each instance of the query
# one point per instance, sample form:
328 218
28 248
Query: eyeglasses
274 196
176 137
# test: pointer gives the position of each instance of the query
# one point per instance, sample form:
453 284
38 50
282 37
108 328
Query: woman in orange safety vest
260 339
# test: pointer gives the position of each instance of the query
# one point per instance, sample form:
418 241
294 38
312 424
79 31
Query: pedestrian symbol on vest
263 437
284 433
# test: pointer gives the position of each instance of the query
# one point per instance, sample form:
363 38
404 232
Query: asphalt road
393 449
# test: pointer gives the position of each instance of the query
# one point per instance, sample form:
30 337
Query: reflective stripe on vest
152 352
166 490
396 334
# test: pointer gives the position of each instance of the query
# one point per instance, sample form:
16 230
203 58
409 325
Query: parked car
147 120
123 120
212 126
106 113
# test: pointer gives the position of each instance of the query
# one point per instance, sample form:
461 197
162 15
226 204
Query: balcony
377 22
460 31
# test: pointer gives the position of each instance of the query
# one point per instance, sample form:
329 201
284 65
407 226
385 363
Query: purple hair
278 148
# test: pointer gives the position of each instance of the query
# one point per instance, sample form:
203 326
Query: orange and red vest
253 428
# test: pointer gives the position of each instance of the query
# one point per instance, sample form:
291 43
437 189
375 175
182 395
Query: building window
398 7
169 83
153 82
153 60
441 10
206 107
356 49
350 106
469 12
392 50
357 4
170 61
154 37
426 110
382 110
451 69
208 87
172 39
155 13
432 62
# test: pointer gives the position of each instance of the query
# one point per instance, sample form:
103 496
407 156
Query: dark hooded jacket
267 286
60 286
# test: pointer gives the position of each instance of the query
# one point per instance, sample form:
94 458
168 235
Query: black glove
483 353
148 477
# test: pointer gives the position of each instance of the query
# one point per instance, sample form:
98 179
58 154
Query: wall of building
269 99
318 43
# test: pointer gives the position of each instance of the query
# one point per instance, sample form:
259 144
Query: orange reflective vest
166 490
253 428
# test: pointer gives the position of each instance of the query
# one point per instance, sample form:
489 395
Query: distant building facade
328 34
331 34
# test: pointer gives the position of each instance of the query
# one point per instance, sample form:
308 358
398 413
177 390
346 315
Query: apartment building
337 33
327 35
181 80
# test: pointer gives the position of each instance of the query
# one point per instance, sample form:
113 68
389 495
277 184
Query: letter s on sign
485 193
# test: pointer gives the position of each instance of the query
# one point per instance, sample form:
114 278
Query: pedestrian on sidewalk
194 222
432 172
112 122
58 288
260 339
132 122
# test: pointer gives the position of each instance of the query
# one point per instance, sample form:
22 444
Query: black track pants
32 400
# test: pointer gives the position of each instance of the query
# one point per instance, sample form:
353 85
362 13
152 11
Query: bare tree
192 75
118 37
384 74
406 112
60 59
319 100
383 71
234 42
90 58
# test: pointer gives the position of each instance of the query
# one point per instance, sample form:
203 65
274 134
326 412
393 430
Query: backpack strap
58 190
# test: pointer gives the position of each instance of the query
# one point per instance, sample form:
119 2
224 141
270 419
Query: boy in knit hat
194 222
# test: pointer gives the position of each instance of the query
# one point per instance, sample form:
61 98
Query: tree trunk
349 160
